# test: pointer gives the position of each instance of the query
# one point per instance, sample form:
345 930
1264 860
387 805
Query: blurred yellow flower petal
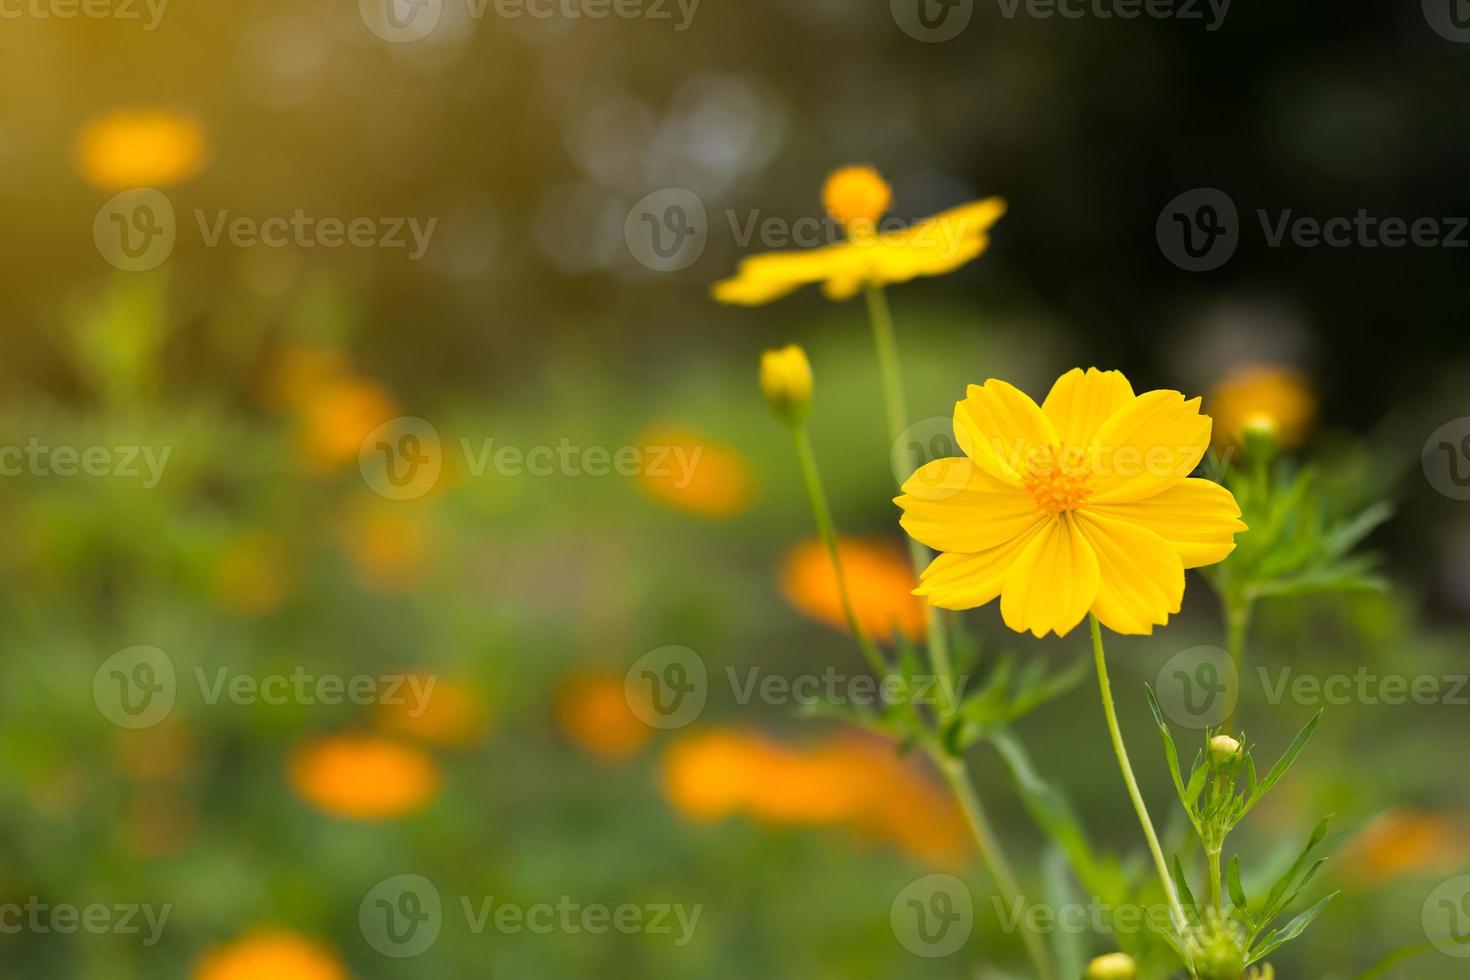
450 713
1279 395
592 710
388 543
1404 842
336 417
271 955
879 578
363 777
1113 520
690 472
857 197
140 148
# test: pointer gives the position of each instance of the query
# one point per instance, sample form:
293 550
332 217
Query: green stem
958 778
1237 625
823 516
1105 688
896 411
1217 899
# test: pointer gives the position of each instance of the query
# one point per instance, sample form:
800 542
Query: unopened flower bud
1262 436
786 381
1223 749
1112 966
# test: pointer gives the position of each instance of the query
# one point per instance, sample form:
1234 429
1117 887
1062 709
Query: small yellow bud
856 197
1223 748
786 381
1112 966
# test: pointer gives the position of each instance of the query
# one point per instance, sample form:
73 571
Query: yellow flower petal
1142 578
953 505
1198 518
1147 446
1052 582
763 278
1079 403
967 222
998 425
955 580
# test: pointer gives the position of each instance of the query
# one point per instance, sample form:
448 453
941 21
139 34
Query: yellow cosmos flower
452 714
879 579
1270 394
363 777
139 148
592 710
1082 503
271 955
691 472
786 383
1405 842
857 198
389 545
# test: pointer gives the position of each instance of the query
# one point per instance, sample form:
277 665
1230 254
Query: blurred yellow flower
786 383
363 777
592 710
690 472
336 417
1083 503
273 954
856 783
880 581
1271 394
857 197
252 574
452 714
1403 842
298 371
388 542
139 148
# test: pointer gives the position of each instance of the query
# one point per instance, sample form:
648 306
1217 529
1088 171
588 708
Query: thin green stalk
1105 688
1237 625
822 513
958 778
1217 899
896 410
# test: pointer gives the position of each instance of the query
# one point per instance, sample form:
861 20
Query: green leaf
1284 763
1237 893
1171 754
1276 900
1181 883
1293 929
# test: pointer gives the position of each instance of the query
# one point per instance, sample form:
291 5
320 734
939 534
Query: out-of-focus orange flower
1270 394
252 574
299 371
592 710
689 472
139 148
388 543
363 777
450 714
879 578
273 954
856 783
336 417
1404 842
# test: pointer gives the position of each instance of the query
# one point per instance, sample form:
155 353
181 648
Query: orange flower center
1058 479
